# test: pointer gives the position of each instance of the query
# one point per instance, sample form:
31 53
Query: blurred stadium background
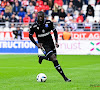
77 20
78 26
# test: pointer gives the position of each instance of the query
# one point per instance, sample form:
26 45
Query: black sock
44 57
59 69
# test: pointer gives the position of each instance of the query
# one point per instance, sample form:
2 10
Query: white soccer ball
41 77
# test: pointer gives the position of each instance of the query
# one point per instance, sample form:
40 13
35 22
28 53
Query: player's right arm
31 32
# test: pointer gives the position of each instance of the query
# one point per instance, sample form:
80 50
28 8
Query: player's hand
57 45
38 45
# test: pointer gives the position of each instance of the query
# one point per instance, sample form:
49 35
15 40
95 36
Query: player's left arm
55 35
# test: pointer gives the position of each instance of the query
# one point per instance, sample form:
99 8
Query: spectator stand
8 8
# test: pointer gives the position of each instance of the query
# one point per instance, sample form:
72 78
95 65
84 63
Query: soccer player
42 28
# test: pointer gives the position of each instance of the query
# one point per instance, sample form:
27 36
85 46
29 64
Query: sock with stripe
59 69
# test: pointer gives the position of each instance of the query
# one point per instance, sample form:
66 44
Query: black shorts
50 49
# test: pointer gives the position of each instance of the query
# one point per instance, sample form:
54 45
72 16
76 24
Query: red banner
85 35
10 35
74 35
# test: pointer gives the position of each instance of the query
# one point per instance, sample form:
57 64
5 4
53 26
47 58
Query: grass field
18 72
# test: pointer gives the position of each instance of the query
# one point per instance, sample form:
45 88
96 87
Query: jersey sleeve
31 31
55 32
52 26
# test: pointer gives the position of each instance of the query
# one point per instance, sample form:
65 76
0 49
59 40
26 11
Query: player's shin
59 69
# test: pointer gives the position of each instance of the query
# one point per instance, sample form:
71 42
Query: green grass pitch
18 72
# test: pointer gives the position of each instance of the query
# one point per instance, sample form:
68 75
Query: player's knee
53 57
55 63
54 51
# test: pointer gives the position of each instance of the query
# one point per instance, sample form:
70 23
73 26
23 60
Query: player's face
18 28
40 17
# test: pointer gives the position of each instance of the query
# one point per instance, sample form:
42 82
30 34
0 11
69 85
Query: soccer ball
41 77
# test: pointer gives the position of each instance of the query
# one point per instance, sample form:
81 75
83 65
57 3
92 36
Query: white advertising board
78 47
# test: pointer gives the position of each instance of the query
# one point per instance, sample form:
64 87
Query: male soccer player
42 28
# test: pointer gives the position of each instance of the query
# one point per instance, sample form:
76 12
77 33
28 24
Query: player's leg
51 56
54 51
58 67
56 64
47 49
44 57
41 58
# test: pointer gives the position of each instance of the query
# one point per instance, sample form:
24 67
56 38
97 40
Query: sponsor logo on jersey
46 25
38 28
35 26
48 22
43 31
43 35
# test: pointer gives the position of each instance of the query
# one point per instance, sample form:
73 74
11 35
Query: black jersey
43 31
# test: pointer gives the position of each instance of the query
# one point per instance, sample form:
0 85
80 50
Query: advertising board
12 46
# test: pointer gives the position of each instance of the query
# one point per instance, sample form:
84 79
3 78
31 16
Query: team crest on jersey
43 31
46 25
38 28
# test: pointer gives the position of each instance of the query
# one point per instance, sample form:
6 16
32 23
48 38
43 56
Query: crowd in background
72 17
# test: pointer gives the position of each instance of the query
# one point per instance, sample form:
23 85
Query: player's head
40 17
18 27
